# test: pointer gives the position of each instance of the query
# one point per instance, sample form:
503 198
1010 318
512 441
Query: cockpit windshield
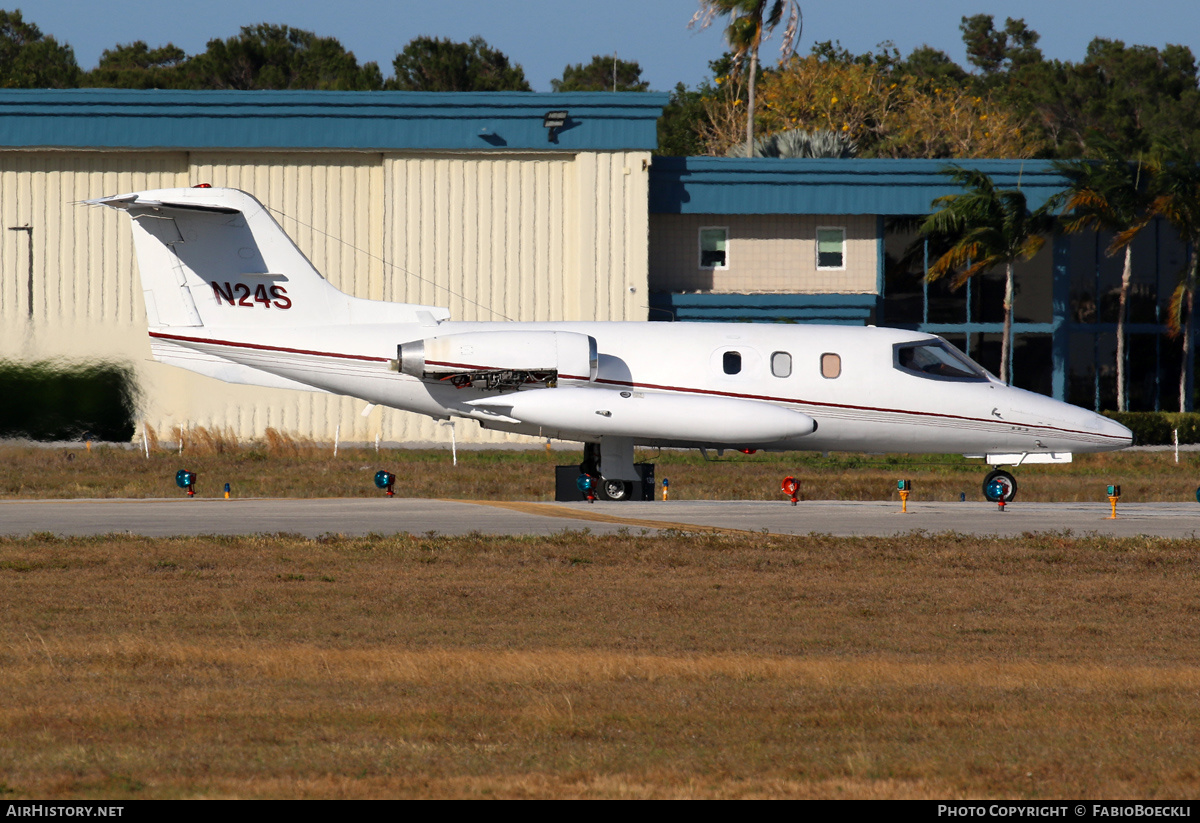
937 359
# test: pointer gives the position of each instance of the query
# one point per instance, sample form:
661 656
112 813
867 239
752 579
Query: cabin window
831 248
831 365
781 364
937 358
714 244
731 362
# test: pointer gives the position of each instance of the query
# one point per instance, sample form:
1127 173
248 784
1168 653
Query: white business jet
229 295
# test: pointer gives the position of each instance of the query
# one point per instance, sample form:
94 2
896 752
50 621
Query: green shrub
51 400
1157 428
1188 425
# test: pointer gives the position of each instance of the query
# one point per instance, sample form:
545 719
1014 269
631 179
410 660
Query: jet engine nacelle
500 359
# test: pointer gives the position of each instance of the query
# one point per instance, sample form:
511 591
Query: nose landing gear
999 487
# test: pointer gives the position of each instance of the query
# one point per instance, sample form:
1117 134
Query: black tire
999 486
615 489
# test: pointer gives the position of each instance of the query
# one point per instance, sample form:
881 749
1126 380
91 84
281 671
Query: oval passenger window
732 362
781 364
831 365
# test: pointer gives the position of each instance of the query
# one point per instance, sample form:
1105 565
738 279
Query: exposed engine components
500 360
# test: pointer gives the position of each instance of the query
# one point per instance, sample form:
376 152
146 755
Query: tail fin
215 257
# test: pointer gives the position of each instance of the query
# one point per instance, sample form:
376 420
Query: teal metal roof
375 120
725 185
713 307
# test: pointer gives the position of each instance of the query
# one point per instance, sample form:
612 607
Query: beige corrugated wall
87 304
522 236
517 237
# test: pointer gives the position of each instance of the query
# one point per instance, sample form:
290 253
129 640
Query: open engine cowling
500 359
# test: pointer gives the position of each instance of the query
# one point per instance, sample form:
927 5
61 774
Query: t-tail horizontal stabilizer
216 257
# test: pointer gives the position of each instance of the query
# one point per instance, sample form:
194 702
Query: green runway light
385 480
186 480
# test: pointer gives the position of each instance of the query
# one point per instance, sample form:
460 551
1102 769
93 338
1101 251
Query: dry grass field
280 466
627 666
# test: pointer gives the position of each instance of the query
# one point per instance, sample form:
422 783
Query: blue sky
544 36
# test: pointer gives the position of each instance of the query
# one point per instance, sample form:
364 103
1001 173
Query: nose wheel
999 487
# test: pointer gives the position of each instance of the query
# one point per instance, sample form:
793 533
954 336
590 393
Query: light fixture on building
553 121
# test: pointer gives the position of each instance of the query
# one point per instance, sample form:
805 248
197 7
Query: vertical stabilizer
215 257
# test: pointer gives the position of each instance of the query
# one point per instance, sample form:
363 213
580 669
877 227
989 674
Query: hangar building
463 200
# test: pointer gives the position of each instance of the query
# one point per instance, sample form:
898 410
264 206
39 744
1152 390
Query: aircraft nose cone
1121 435
1092 432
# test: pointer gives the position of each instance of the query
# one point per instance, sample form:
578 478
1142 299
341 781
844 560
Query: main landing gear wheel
999 486
614 489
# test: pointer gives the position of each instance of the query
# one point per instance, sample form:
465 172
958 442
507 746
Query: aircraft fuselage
846 379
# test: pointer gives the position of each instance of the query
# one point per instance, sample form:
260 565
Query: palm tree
1177 200
799 144
1110 194
986 227
745 35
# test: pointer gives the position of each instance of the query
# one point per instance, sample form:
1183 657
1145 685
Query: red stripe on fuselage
848 407
654 386
259 347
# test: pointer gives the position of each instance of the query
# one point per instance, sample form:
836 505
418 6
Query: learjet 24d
229 295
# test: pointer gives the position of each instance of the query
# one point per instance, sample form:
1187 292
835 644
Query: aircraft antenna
388 263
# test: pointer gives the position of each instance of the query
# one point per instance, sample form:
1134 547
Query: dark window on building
1143 380
1033 358
903 271
987 298
1081 370
947 305
831 248
713 245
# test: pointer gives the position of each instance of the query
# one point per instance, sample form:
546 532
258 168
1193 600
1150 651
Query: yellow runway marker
547 510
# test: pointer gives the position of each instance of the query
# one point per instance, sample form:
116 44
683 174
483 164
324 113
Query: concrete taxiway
359 516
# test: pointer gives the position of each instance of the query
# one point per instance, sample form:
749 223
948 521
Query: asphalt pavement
361 516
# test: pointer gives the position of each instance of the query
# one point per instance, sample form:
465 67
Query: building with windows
834 241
